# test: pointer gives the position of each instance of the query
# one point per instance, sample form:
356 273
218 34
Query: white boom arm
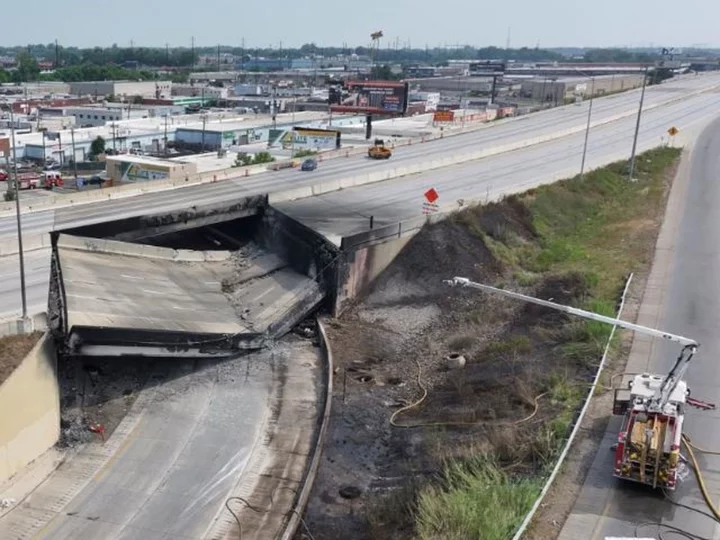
465 282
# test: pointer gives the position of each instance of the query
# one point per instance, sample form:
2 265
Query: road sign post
429 206
672 132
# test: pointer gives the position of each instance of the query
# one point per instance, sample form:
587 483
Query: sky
547 23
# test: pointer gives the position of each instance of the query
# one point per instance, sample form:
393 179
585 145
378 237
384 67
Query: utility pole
637 126
166 138
74 156
587 131
57 55
242 55
17 215
218 57
192 51
204 119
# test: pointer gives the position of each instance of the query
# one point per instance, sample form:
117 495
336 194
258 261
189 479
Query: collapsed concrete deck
117 298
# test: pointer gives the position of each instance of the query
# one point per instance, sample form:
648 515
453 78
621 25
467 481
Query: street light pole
587 131
637 126
74 156
17 214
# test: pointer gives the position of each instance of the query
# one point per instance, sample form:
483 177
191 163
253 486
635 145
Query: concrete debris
6 503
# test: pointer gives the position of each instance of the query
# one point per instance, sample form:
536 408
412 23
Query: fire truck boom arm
685 342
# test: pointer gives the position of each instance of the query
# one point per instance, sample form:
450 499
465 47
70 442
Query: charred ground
501 419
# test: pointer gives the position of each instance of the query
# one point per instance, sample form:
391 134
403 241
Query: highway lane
199 432
543 123
348 211
345 212
37 282
688 261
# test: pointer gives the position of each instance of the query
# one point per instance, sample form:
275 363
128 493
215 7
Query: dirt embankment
12 351
526 367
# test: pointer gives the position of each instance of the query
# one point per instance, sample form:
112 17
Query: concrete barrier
302 499
116 247
30 401
416 168
30 243
89 196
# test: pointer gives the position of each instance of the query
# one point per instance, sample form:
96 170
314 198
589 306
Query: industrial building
201 90
561 90
213 135
92 116
150 89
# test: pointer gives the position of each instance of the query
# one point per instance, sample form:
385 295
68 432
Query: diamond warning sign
431 195
673 131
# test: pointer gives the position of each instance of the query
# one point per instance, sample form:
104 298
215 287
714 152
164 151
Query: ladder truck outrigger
652 406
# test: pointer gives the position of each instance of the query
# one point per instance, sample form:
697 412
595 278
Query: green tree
383 73
27 67
4 76
262 157
97 147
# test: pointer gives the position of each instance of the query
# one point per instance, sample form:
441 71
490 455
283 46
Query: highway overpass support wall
364 256
32 394
305 250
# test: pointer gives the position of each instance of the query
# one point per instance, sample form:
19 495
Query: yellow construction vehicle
379 150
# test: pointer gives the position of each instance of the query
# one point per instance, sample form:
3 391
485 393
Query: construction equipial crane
652 405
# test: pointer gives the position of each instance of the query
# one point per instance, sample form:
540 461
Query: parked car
309 165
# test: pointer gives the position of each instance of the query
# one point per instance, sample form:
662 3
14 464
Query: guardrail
302 499
576 428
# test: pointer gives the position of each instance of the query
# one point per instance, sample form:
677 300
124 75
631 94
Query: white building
148 89
199 90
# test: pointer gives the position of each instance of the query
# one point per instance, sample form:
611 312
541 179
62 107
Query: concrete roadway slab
244 426
129 289
118 291
347 212
683 297
484 177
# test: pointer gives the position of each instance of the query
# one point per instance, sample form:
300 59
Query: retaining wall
304 495
305 250
30 405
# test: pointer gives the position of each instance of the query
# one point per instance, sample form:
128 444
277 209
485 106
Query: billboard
373 97
433 100
443 116
134 172
486 67
311 139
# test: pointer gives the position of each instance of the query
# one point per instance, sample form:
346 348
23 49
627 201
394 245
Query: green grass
602 228
476 499
593 224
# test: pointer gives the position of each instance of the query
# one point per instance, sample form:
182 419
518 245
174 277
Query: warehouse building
563 89
150 89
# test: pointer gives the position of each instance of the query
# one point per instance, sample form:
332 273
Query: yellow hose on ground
440 424
700 479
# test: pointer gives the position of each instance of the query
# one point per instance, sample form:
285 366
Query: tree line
141 63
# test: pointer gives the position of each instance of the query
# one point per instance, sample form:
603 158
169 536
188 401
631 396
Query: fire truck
652 406
34 180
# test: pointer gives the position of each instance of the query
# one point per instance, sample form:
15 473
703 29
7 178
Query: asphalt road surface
689 305
345 212
348 211
201 431
520 129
